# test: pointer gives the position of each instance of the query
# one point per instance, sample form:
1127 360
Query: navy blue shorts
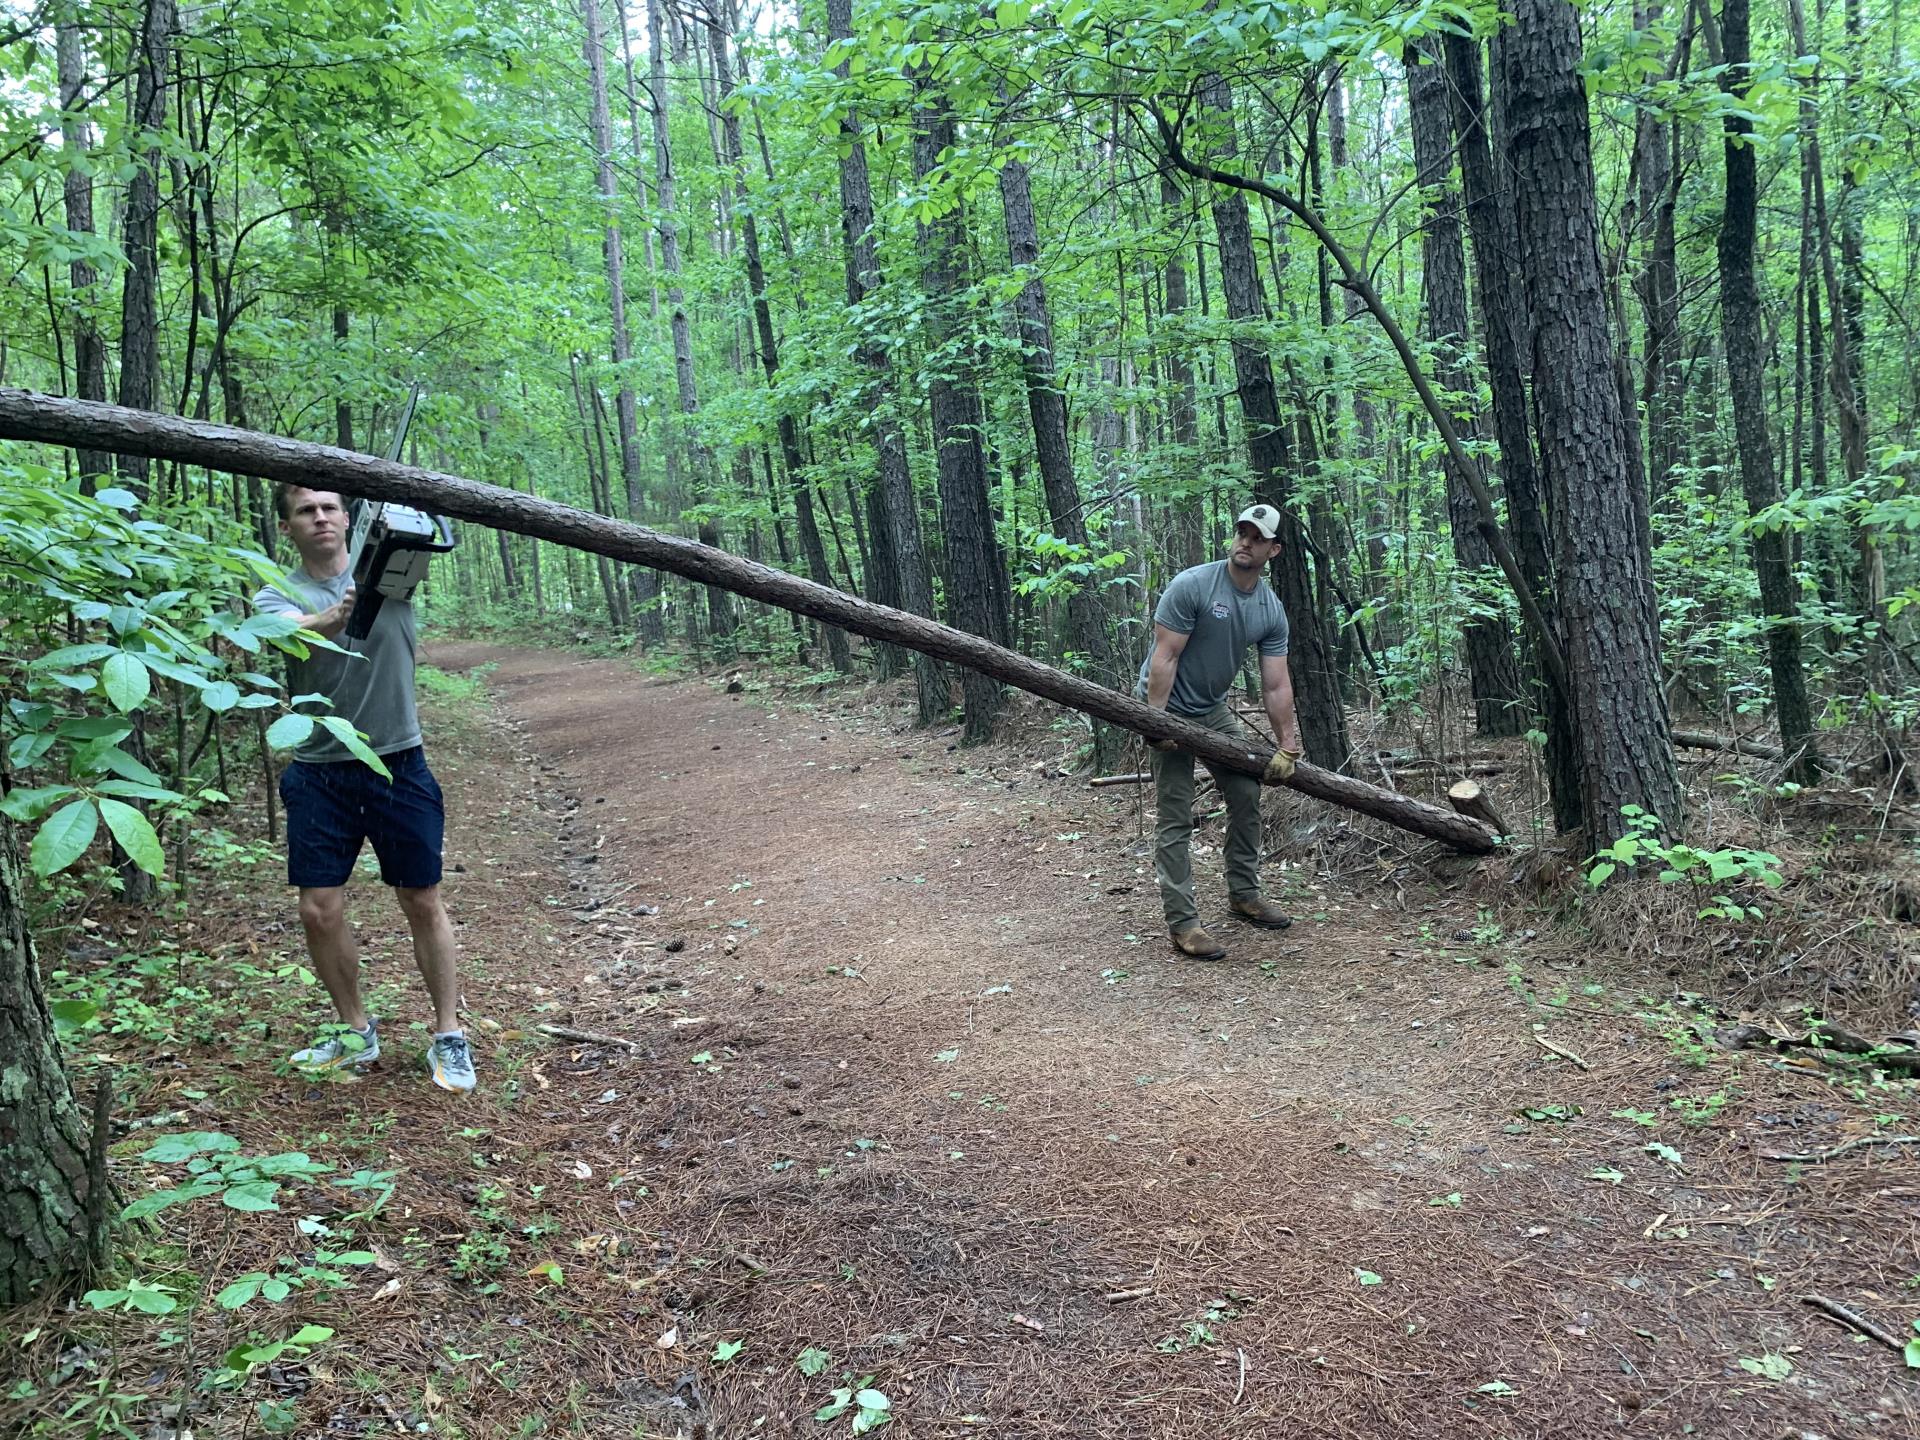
332 808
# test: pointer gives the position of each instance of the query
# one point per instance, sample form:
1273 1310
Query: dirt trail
959 1092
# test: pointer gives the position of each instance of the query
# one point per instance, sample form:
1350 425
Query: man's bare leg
435 951
330 943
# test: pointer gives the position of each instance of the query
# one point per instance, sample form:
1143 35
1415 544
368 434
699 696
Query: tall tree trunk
1491 652
1506 337
1602 571
698 457
613 251
1658 283
89 350
976 574
1746 370
1047 409
838 653
140 227
1316 686
900 555
45 1237
596 491
1187 515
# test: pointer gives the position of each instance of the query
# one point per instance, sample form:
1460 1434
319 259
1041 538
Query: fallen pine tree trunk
27 415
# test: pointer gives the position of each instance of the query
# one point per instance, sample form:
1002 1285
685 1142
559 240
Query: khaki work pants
1173 826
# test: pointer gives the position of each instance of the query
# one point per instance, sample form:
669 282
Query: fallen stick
1854 1320
1136 1292
1699 740
587 1037
1820 1157
1554 1048
27 415
1138 777
1826 1035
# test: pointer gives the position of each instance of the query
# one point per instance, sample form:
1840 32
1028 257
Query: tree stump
1470 800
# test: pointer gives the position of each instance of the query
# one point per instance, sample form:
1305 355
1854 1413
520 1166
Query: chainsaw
389 544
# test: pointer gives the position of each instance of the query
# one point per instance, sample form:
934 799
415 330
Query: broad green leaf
63 837
289 731
172 1149
252 1195
136 835
72 1012
233 1296
342 730
220 696
113 758
126 680
310 1335
132 790
28 805
69 656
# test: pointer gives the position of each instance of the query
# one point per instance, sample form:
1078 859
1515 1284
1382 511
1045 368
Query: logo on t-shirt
1219 610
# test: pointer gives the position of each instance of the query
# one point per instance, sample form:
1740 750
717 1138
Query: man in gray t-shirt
1207 619
335 802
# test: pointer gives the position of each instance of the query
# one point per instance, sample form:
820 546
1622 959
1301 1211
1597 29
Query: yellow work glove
1280 768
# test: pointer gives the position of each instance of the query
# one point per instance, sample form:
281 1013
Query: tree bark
811 547
52 419
613 252
44 1231
89 350
976 572
1746 370
1601 568
1316 681
699 459
1047 409
1507 335
902 558
1491 652
140 228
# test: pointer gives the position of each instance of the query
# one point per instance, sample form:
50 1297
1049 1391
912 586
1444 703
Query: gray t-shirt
1220 622
372 686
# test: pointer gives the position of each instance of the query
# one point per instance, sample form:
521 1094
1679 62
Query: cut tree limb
1700 740
1469 799
27 415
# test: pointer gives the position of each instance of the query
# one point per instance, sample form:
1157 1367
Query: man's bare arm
1276 688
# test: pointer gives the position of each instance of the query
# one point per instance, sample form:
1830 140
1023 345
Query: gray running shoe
358 1048
450 1059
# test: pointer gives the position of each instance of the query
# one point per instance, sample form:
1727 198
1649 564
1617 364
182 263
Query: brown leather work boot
1263 913
1197 944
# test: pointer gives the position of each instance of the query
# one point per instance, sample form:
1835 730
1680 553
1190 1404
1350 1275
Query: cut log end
1470 800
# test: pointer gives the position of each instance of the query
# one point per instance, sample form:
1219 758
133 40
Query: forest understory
875 1075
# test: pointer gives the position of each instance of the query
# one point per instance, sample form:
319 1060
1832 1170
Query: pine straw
1245 1180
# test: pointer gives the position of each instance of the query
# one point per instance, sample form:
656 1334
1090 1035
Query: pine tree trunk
902 568
44 1229
838 653
976 574
1186 516
699 459
1047 409
140 228
1316 687
1491 652
1746 368
89 350
1601 568
613 252
1506 336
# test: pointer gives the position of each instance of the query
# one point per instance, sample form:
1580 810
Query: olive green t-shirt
1220 623
371 685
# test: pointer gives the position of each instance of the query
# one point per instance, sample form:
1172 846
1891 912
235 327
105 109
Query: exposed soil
965 1123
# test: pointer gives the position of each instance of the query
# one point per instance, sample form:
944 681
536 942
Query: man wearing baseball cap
1206 619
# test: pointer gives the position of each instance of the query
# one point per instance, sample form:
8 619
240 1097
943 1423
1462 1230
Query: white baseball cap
1263 518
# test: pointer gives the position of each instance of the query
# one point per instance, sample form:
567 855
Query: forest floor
917 1098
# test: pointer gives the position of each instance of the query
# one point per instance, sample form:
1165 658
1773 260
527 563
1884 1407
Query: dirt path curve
958 1099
